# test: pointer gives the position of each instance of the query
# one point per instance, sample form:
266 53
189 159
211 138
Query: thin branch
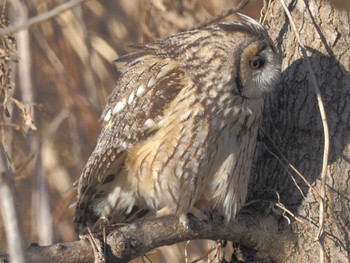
9 212
297 218
264 11
325 130
205 255
221 16
41 18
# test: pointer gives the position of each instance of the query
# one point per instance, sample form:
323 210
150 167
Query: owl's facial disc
258 72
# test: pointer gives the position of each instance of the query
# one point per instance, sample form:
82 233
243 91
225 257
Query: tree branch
257 231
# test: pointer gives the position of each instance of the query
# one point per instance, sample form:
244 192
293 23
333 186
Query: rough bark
292 120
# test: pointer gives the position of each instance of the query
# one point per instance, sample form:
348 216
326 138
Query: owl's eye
256 62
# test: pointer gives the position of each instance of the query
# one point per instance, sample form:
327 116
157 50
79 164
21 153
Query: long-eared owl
180 127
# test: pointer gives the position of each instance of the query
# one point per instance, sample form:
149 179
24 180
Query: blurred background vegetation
63 76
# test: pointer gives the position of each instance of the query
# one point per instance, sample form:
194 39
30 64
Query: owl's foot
169 211
206 215
200 214
213 214
184 220
164 211
205 211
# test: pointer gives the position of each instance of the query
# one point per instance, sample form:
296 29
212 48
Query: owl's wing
149 80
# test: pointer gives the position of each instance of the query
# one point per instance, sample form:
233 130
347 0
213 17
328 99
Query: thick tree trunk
292 121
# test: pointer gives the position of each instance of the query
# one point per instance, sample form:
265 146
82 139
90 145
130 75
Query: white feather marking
151 82
155 175
178 171
150 123
181 150
131 97
107 117
164 71
123 145
186 115
73 205
140 90
213 93
118 107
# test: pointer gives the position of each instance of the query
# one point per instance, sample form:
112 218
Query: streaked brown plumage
180 127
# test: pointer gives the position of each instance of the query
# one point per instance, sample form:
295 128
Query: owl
180 127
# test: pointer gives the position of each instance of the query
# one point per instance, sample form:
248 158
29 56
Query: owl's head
258 64
236 56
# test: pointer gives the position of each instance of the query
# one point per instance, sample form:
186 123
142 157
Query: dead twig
205 255
9 211
221 16
264 11
42 17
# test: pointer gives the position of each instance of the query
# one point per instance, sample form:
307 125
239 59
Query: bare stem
224 14
9 211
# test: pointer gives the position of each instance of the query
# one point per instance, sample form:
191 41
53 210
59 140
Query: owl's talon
184 220
201 215
164 211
